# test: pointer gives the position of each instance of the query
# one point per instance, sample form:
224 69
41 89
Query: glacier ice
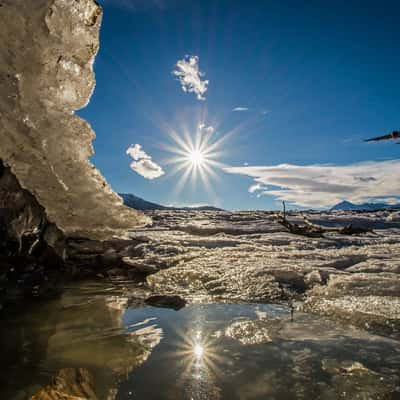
46 73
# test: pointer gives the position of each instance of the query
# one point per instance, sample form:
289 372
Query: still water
204 351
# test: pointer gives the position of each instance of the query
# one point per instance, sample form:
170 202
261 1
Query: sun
198 350
196 158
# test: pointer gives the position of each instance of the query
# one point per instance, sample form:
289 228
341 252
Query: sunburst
196 156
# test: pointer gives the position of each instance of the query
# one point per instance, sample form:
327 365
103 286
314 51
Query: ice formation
46 73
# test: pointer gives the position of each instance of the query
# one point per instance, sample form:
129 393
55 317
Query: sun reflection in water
198 350
199 355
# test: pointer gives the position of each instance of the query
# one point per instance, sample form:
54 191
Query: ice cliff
46 73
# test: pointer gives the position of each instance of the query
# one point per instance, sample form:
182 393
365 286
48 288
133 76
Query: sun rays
198 354
196 157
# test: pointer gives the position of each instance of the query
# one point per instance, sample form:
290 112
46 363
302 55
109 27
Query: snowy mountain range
132 201
347 205
138 203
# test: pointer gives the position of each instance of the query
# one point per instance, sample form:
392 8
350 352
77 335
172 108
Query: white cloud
240 109
190 77
207 130
147 168
326 185
136 152
255 188
143 164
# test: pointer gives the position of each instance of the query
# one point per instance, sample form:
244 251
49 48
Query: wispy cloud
325 185
207 130
142 163
240 109
189 75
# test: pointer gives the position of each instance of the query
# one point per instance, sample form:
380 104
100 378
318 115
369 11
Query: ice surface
247 256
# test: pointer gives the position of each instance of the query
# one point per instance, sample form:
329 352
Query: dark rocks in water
92 257
24 227
165 301
32 248
69 384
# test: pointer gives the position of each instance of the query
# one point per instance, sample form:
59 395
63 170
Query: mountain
132 201
347 205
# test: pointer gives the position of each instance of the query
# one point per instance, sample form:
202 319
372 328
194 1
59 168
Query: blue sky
316 78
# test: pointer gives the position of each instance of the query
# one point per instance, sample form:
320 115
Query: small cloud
143 164
265 112
147 168
190 77
136 152
245 164
255 188
207 130
240 109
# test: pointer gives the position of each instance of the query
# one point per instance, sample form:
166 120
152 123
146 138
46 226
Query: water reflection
247 352
80 330
202 352
198 351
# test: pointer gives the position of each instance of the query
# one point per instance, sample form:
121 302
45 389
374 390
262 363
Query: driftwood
343 230
304 230
314 230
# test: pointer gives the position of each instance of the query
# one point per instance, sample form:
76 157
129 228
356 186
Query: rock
115 271
69 384
46 74
163 301
140 265
25 228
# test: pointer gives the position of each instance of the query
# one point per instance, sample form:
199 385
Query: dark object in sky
393 135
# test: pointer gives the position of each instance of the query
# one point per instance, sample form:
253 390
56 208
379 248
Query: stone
164 301
140 265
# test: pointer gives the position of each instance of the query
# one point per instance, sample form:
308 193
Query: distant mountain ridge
132 201
347 206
